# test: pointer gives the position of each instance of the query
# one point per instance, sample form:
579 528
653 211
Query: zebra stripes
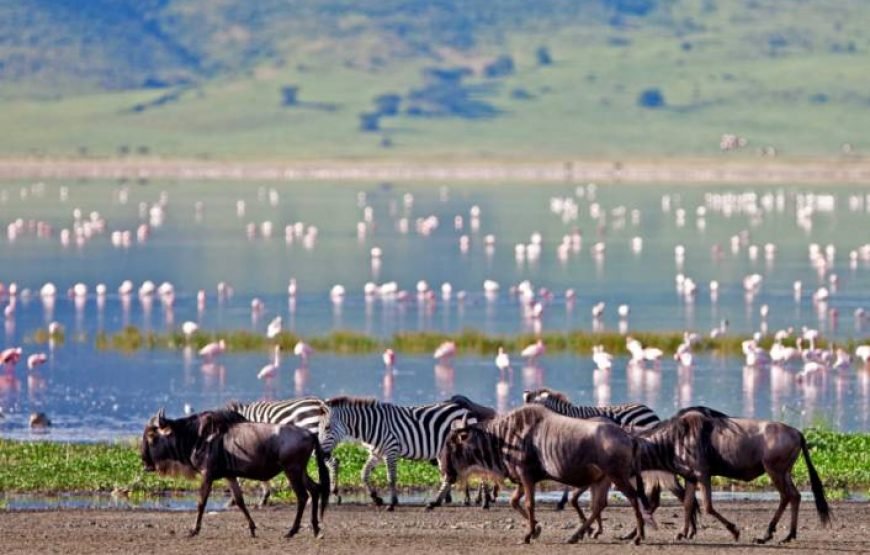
631 416
390 431
305 412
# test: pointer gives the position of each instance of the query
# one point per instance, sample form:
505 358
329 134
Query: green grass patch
468 342
842 460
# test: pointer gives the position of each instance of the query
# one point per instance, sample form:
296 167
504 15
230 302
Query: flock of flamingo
805 356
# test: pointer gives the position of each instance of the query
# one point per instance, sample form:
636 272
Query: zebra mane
350 401
535 395
233 405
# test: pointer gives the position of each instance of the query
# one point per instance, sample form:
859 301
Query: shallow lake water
620 247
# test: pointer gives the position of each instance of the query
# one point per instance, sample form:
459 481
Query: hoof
253 532
636 540
290 534
560 506
378 501
788 538
537 531
595 536
527 538
432 505
338 499
192 532
319 535
680 537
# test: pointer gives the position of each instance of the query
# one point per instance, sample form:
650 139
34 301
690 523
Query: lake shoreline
713 170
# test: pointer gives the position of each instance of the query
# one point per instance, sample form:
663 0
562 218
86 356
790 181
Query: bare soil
455 529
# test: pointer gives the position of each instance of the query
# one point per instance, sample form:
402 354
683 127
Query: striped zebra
390 431
305 412
632 417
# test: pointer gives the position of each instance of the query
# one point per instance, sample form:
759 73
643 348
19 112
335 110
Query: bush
543 56
651 98
388 104
369 122
502 66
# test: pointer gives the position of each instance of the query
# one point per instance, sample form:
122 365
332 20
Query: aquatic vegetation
842 460
468 342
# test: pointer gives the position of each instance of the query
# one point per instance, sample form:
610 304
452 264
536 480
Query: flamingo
603 360
9 357
502 360
843 360
189 328
213 349
35 360
684 354
303 350
274 328
446 350
268 371
533 351
640 353
863 352
389 358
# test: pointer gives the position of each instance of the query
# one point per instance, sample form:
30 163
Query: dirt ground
358 528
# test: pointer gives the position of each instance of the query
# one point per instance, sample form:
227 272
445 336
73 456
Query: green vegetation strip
468 342
842 460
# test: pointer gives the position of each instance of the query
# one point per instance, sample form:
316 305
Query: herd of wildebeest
546 439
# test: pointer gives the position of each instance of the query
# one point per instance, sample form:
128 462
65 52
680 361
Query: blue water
198 239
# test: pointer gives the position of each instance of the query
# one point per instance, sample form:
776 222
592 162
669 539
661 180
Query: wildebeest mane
481 412
706 411
218 421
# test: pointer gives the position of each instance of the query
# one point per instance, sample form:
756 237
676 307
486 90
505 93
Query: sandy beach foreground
670 171
362 529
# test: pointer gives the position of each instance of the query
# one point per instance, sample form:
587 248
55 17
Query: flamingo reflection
301 378
445 378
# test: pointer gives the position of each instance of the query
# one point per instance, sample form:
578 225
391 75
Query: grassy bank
468 342
842 460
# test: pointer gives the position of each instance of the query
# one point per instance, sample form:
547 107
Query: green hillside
436 80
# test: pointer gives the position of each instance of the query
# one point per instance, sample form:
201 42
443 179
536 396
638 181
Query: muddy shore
362 529
670 171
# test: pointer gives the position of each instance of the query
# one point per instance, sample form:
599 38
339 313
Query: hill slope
411 79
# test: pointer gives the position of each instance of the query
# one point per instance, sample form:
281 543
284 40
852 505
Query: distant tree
651 98
289 95
500 67
388 104
369 122
143 150
123 150
543 56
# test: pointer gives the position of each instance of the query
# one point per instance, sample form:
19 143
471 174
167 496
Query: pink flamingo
213 349
9 357
502 360
445 351
303 350
35 360
389 357
533 351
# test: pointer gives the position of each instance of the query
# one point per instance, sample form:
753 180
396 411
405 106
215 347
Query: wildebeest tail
818 490
638 476
323 475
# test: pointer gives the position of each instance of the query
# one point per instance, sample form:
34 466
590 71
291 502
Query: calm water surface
197 235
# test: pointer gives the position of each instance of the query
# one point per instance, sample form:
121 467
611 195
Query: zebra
305 412
390 431
632 417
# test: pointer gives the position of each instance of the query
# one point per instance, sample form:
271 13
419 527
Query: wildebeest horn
161 417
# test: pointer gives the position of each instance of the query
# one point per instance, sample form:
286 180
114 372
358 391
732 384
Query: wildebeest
482 413
699 443
222 444
531 444
631 417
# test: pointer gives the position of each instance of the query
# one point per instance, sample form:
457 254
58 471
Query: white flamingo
502 360
684 354
274 328
35 360
603 360
389 358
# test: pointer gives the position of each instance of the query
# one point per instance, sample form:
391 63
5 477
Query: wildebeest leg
596 505
240 503
204 491
371 463
785 487
707 497
688 507
534 527
267 492
295 476
313 490
560 505
515 501
623 484
575 502
391 478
